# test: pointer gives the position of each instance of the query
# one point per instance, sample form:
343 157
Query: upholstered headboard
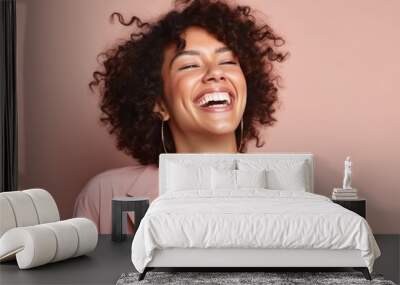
236 161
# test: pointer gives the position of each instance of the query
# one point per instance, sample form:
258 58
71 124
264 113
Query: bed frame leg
143 274
364 271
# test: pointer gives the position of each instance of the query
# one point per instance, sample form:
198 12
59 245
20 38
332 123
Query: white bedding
251 218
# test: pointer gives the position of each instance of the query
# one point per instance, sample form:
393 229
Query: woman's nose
214 73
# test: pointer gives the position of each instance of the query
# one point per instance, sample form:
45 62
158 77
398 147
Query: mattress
250 219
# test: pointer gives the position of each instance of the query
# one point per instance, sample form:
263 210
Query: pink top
94 201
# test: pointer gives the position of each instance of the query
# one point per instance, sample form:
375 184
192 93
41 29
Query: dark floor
389 262
110 260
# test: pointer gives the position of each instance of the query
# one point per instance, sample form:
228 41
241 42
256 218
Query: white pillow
288 179
223 179
236 179
251 178
181 177
282 174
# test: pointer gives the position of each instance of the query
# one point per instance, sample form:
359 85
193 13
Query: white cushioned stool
31 232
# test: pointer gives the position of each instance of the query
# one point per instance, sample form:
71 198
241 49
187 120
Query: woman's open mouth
215 101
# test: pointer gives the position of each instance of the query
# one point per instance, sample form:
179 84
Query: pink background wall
341 94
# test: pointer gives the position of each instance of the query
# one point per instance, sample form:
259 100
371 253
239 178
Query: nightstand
358 206
121 206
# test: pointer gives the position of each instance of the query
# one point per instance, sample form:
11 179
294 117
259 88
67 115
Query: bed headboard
202 159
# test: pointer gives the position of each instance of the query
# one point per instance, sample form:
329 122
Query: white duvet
251 218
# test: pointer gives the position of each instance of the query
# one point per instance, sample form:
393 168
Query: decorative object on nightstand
121 207
347 192
344 194
347 174
358 205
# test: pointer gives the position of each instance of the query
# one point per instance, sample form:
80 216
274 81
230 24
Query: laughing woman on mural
200 79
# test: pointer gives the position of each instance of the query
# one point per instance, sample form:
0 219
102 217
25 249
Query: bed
247 211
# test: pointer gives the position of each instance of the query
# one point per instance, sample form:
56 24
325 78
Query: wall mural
199 79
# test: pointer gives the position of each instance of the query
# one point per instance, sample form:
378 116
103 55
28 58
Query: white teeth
215 96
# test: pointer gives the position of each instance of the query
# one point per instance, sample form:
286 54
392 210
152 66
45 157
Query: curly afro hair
131 80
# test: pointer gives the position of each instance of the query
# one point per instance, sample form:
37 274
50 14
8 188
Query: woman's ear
161 109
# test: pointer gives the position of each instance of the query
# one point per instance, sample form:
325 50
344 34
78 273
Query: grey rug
269 278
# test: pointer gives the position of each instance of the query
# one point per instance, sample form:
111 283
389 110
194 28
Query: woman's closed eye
189 66
229 62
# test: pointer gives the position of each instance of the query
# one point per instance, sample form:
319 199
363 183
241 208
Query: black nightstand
120 208
358 206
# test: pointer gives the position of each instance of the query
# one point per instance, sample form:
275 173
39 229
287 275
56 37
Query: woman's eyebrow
195 52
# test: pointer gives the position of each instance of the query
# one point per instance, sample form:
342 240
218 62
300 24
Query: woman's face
204 86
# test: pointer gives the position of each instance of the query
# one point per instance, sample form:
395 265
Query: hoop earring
241 135
162 136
